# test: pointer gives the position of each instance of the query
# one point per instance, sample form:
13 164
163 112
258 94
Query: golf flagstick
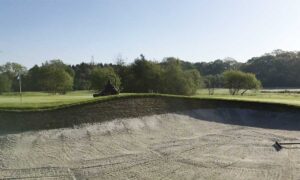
20 86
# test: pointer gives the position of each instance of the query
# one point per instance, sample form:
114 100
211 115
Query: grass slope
41 101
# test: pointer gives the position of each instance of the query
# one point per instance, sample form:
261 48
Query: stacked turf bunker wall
265 115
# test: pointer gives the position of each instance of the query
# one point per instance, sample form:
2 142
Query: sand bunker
192 144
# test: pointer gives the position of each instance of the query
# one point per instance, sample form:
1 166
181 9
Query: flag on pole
20 84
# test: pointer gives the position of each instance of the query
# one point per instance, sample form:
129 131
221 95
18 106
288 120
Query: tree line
171 75
142 76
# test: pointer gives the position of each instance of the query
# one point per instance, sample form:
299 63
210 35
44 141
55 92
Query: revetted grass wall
118 107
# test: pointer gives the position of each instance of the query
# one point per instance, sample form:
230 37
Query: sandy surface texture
194 144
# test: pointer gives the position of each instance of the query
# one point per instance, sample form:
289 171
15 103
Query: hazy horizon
35 31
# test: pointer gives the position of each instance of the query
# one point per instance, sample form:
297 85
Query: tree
217 67
233 81
141 76
59 64
174 79
250 82
5 83
12 71
194 80
100 76
238 80
177 81
212 82
276 69
63 81
54 76
55 80
122 71
82 76
31 80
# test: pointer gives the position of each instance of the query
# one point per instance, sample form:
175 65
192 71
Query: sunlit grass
41 100
286 98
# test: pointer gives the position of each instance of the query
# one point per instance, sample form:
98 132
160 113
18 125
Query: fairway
34 100
287 98
42 100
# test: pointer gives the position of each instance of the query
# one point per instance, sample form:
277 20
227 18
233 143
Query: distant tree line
279 69
171 75
141 76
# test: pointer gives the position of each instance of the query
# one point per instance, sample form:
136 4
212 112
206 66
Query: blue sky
32 31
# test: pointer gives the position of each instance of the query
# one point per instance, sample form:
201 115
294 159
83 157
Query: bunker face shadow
249 117
234 113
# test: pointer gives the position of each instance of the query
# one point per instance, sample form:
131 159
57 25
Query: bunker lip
244 103
266 115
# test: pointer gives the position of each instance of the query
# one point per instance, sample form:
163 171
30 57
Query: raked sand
194 144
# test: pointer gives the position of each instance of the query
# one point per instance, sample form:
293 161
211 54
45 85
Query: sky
33 31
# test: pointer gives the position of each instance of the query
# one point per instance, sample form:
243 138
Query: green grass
32 100
40 100
280 98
